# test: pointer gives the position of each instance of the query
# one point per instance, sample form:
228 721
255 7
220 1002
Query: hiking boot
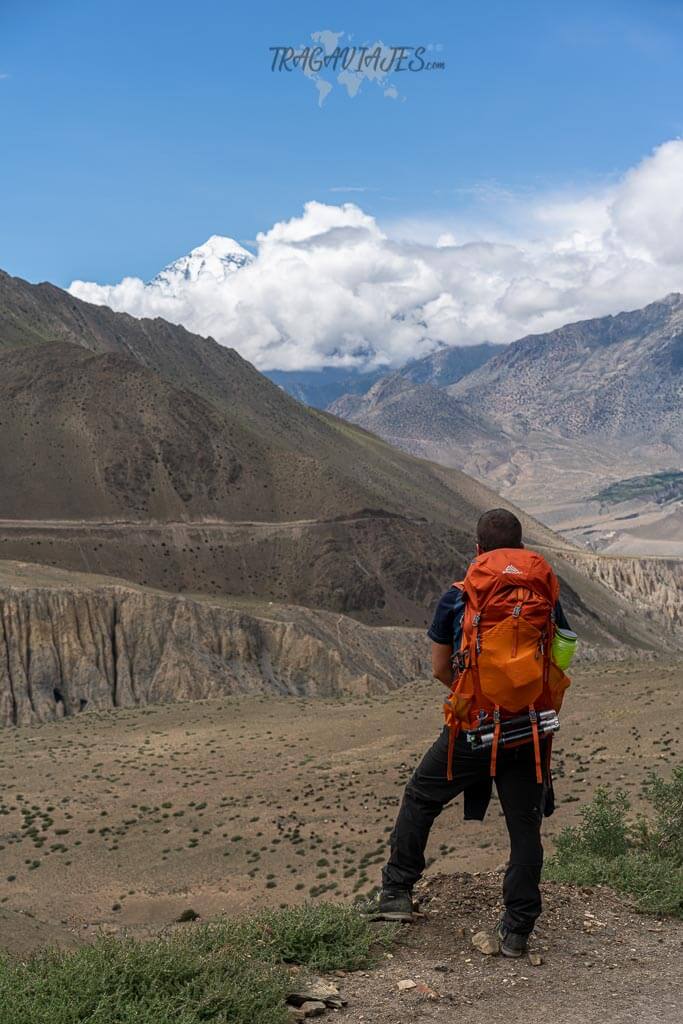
391 905
395 906
512 944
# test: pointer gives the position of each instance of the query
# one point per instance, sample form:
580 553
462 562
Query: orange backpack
504 664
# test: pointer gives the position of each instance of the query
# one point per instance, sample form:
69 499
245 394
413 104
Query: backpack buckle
517 611
460 660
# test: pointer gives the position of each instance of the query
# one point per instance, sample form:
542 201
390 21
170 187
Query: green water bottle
563 648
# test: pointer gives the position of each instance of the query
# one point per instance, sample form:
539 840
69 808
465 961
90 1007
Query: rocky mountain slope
615 377
91 434
553 418
447 366
422 419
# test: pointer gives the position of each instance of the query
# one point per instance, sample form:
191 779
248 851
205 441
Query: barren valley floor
122 820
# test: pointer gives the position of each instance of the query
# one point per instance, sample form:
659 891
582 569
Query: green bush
325 937
234 971
643 859
664 838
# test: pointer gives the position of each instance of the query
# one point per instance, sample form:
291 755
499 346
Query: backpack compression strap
496 738
537 743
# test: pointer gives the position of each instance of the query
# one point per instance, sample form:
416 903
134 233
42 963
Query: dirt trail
203 522
600 961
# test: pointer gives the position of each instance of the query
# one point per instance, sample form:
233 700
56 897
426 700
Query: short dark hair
499 528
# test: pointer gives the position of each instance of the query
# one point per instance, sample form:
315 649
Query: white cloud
332 287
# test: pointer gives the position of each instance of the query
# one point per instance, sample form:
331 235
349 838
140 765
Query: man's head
498 528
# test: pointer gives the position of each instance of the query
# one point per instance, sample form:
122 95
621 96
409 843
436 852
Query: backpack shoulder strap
459 617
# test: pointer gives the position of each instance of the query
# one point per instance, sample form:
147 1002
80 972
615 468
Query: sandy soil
123 819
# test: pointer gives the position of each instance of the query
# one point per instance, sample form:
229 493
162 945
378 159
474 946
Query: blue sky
133 131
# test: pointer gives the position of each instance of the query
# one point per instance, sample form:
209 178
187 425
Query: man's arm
445 633
441 663
560 618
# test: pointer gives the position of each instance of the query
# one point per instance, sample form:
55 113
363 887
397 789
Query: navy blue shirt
446 627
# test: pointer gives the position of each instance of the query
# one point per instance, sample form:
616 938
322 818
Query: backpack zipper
475 623
516 612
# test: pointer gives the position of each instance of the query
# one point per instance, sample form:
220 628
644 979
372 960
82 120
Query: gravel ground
600 961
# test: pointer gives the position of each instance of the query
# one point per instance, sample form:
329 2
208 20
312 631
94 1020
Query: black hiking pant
428 792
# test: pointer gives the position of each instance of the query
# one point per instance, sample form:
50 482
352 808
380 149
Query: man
524 799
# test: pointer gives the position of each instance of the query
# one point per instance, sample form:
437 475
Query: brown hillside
307 464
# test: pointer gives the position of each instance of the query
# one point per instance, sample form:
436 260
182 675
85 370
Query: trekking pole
510 725
548 723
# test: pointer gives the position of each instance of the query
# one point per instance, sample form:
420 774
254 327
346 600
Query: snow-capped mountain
213 261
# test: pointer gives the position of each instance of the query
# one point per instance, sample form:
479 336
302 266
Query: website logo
330 62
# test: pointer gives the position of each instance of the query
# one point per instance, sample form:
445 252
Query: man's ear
478 549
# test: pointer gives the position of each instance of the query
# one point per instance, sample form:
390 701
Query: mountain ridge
557 381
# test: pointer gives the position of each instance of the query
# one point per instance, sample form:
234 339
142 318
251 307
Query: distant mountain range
320 388
554 418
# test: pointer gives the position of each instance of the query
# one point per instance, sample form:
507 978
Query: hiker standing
491 645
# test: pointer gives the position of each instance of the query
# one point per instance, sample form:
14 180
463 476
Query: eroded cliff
69 642
654 586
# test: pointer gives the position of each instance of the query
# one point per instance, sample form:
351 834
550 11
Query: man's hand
441 663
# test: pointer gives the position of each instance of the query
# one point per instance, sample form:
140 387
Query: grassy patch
643 859
231 971
659 487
